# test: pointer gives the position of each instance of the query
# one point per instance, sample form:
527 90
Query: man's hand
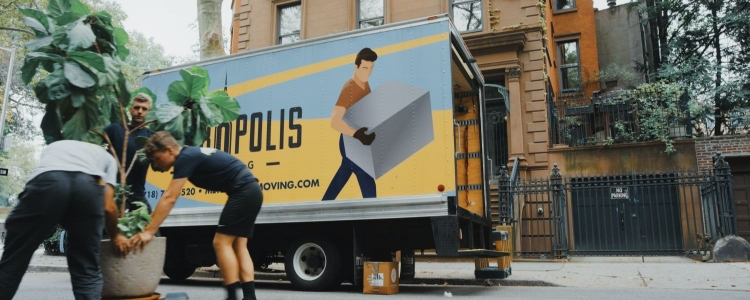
365 139
140 240
121 245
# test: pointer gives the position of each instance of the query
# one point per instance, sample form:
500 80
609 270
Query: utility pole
3 146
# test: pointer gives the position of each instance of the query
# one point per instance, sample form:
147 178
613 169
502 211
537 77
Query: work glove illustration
366 139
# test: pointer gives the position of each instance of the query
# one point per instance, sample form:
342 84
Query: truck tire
176 265
313 264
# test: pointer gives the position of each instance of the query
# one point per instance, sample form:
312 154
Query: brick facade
729 145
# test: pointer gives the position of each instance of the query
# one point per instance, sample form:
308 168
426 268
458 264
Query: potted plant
75 65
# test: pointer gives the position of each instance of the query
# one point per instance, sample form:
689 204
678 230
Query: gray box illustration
401 117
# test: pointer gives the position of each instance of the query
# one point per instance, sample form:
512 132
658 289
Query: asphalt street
42 286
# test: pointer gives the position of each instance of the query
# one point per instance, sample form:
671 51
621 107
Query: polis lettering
287 133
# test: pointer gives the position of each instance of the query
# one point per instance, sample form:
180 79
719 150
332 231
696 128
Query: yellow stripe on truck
269 80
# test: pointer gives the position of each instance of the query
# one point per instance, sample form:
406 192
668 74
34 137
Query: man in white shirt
73 185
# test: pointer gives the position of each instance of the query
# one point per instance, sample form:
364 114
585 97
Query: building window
467 15
570 69
290 21
564 4
370 13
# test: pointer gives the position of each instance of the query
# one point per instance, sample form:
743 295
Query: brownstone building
505 37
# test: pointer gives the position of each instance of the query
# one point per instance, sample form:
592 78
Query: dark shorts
241 210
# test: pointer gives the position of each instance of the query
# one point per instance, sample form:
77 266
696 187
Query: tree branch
17 29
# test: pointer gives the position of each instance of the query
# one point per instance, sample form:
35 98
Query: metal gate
660 213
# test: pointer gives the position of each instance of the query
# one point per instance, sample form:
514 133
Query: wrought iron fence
637 213
579 120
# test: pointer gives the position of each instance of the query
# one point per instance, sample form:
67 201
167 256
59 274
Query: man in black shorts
214 170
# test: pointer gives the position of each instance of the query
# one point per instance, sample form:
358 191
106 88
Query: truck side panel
287 95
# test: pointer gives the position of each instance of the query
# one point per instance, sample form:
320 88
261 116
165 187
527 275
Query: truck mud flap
445 233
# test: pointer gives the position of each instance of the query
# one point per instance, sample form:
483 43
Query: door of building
740 168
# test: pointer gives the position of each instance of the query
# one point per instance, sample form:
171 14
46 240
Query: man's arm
161 212
119 241
338 123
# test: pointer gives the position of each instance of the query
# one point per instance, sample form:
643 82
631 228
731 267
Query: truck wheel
313 264
176 265
179 272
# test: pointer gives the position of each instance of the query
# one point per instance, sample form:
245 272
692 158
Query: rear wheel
313 264
176 265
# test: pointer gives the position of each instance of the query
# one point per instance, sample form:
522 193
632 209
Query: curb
282 277
46 269
415 281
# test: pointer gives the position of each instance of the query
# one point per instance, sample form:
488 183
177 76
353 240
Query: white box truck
360 149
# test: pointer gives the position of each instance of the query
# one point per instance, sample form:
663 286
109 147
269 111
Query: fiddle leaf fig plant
75 62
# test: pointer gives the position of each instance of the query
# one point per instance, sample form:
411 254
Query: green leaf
144 90
37 20
28 70
80 35
39 16
198 71
123 229
123 92
40 91
225 108
111 73
79 126
167 112
197 84
187 121
77 99
35 25
79 8
57 87
38 43
89 59
51 124
67 18
178 93
77 76
57 7
121 40
208 114
103 16
60 38
174 127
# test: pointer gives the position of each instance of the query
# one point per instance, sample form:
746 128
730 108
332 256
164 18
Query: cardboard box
380 278
400 115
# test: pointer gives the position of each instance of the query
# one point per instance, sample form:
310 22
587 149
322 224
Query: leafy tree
20 162
704 44
78 56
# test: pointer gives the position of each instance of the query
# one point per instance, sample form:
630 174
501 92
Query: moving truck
358 158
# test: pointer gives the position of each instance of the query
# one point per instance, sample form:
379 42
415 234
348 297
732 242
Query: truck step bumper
482 253
492 273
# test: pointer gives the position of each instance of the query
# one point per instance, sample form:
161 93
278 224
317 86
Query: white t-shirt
76 156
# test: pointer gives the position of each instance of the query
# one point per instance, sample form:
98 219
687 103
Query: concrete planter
135 276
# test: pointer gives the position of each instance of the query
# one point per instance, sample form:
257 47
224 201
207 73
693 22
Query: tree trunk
653 15
719 112
209 28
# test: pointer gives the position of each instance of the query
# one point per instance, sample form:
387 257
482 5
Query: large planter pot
135 276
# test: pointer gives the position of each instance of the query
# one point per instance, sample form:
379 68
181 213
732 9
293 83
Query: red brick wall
729 145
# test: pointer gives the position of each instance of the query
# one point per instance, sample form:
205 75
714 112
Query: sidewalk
599 272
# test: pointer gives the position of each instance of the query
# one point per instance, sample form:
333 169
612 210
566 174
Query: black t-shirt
211 169
137 176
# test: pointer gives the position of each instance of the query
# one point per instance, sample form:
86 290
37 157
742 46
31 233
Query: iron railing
635 213
579 120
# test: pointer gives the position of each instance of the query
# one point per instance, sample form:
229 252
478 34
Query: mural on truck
387 132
